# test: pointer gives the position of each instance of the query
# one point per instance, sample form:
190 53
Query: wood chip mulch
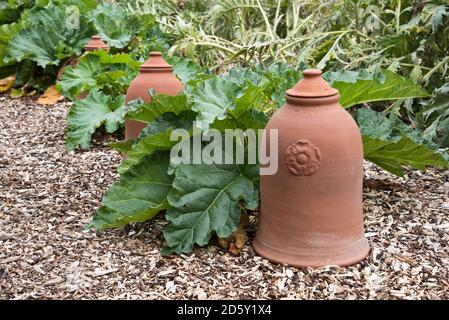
48 194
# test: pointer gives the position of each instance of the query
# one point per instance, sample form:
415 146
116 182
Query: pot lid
96 43
155 62
312 85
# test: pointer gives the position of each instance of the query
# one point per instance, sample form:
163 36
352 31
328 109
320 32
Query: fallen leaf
16 93
50 96
6 83
235 242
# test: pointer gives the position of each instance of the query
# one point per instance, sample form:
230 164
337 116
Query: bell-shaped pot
311 208
96 43
155 74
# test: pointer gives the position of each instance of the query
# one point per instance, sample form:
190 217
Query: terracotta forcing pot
311 209
155 74
96 43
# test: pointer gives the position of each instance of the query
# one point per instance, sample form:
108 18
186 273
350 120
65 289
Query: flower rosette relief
302 158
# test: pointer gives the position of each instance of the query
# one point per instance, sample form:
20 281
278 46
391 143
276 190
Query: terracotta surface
156 74
311 209
96 43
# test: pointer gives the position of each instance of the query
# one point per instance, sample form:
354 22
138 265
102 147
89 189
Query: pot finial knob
96 43
312 85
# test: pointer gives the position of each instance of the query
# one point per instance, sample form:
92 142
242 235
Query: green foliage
160 104
185 69
390 144
11 10
88 114
114 24
346 76
48 38
212 98
79 79
51 33
139 195
7 32
110 73
281 78
156 136
363 91
435 116
206 199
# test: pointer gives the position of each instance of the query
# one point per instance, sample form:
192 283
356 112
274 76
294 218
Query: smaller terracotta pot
155 74
96 43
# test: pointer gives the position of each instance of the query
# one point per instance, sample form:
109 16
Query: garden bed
48 194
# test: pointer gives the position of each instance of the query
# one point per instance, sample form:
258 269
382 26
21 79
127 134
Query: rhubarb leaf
205 199
98 70
88 114
362 91
156 136
391 144
212 99
114 24
49 38
160 104
139 195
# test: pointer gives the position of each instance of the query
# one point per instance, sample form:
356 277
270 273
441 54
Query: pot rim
312 101
155 69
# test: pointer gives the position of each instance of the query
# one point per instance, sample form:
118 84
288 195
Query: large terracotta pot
96 43
155 74
311 209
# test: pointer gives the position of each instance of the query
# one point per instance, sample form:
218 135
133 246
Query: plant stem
432 71
265 18
357 21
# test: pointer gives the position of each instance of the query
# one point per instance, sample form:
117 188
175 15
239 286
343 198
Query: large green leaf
245 114
391 144
114 24
29 44
205 199
393 87
160 104
7 32
281 77
212 98
185 69
49 38
348 76
98 70
156 136
88 114
391 155
242 76
80 78
107 58
139 194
